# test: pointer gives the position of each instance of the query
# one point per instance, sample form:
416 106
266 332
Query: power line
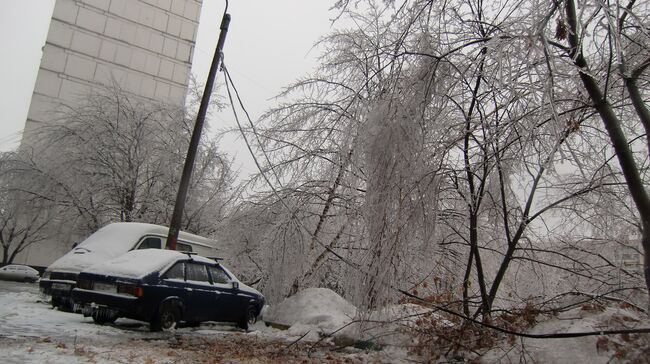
260 169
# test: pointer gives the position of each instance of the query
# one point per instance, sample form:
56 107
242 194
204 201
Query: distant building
146 46
628 256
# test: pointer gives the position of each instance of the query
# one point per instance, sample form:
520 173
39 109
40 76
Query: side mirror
235 285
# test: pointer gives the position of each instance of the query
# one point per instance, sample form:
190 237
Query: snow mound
588 349
316 310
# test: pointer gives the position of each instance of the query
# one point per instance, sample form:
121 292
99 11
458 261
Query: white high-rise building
144 45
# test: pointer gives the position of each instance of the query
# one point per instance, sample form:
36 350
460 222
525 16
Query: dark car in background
165 287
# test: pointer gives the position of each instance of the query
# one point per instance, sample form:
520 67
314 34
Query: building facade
146 46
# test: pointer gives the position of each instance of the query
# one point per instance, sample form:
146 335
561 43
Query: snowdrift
315 311
590 349
318 312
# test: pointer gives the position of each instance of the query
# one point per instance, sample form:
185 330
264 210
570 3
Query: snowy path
32 332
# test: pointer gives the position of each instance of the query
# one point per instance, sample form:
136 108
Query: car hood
242 286
249 289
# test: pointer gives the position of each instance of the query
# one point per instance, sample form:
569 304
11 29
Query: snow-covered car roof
120 236
111 241
139 263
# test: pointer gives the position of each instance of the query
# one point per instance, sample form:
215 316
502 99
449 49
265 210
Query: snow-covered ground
32 332
589 349
320 327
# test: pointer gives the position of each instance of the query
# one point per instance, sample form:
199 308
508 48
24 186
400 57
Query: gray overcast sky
269 45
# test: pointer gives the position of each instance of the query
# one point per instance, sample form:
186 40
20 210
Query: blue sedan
165 287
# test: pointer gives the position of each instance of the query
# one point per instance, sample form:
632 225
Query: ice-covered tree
115 157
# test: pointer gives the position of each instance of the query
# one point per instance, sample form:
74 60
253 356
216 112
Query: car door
13 273
172 285
231 306
201 294
5 273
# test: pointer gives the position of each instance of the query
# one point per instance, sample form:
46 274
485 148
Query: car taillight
85 284
130 289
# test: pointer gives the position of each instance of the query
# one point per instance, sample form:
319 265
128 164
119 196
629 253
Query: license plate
105 287
60 287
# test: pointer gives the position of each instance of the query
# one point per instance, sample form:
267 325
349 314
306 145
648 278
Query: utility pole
177 216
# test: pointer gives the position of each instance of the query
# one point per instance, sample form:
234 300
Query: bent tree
624 28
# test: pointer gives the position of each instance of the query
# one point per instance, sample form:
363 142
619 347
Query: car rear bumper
90 301
98 310
57 287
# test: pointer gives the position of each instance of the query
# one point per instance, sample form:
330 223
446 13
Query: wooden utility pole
177 217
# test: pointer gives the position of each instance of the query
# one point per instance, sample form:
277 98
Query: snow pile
318 311
590 349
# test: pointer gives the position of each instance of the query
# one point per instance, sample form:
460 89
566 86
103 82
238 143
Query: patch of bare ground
241 348
219 348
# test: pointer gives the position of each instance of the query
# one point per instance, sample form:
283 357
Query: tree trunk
468 273
619 141
639 105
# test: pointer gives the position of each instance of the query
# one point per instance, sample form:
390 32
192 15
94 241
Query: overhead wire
230 84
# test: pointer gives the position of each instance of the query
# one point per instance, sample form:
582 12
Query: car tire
61 304
249 318
102 319
166 318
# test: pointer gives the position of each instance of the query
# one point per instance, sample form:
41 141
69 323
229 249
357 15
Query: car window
150 243
175 272
218 275
196 272
181 247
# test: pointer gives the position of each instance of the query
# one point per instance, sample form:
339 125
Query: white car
17 272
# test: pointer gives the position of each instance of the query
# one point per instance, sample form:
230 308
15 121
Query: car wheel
250 318
61 304
101 318
166 319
